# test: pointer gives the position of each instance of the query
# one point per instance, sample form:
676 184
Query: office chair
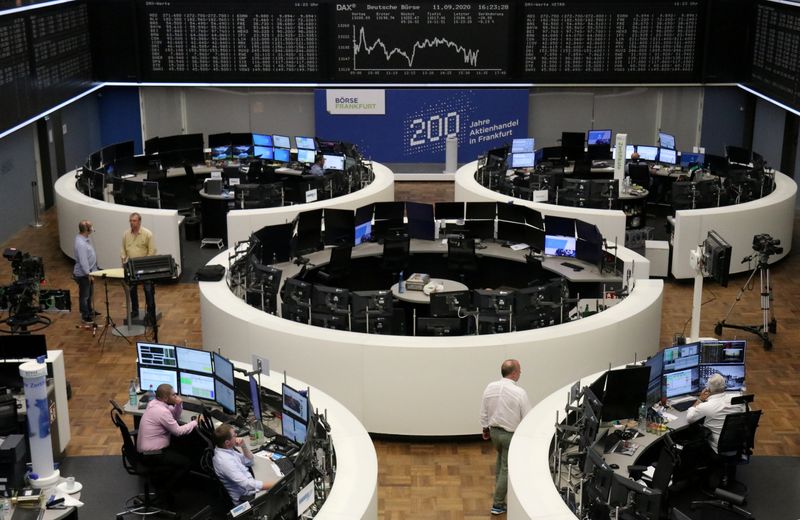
461 258
726 506
735 447
135 464
639 174
339 266
207 466
395 253
8 415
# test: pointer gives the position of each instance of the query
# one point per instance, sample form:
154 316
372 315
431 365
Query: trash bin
191 228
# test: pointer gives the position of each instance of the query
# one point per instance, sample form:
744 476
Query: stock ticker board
776 52
421 41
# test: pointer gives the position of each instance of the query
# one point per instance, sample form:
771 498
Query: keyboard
610 441
222 416
284 464
193 407
574 267
683 405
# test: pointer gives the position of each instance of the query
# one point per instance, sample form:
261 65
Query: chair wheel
718 328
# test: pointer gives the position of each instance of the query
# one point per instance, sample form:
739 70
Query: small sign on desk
311 195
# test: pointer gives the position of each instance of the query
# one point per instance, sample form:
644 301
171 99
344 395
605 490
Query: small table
128 329
421 297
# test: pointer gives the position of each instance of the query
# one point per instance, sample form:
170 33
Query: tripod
769 324
109 320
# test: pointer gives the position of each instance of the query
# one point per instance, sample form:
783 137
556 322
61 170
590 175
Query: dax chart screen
422 41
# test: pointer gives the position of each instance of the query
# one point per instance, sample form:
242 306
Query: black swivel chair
338 268
461 258
639 174
735 446
135 464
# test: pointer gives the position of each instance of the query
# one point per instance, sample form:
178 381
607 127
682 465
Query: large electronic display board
230 41
776 51
422 41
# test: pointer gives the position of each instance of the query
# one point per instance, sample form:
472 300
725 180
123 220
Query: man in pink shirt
159 423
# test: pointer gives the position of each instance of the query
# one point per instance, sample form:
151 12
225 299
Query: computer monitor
733 374
309 232
156 355
717 352
717 253
225 396
689 159
493 300
334 162
560 226
305 143
339 226
531 299
647 153
449 210
255 397
294 402
389 210
221 153
377 302
667 156
274 243
572 144
364 213
281 141
600 476
330 299
439 326
512 233
264 152
293 429
151 377
738 155
363 233
629 149
681 382
681 357
241 151
196 385
448 304
598 137
23 346
219 140
591 252
283 155
262 140
588 231
330 320
523 145
421 223
522 160
306 156
666 140
599 152
641 502
481 210
656 364
626 390
223 369
296 291
511 212
194 360
559 245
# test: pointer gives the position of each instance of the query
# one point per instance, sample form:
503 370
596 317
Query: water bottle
401 285
132 394
151 395
643 417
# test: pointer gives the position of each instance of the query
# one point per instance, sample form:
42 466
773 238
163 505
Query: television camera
764 244
24 267
21 298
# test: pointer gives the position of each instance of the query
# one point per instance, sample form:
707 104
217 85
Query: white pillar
451 154
38 412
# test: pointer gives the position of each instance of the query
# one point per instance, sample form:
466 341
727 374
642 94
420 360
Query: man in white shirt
503 407
231 465
713 405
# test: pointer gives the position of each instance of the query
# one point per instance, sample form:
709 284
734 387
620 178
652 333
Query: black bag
210 273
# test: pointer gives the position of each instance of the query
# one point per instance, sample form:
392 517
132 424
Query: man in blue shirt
232 466
85 263
318 168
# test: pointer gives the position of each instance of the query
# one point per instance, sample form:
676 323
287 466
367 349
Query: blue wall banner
417 122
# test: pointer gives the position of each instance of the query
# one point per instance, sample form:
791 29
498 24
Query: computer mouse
613 466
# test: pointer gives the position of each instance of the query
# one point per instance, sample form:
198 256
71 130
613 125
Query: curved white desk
610 222
429 385
242 222
737 224
354 494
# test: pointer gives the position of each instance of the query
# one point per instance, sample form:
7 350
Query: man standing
85 263
231 465
503 407
138 242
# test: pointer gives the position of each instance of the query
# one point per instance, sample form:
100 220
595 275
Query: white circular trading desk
420 296
430 385
354 494
610 222
111 220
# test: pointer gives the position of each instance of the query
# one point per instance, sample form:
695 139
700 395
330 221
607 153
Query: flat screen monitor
219 140
733 374
275 243
296 292
512 232
481 210
309 233
421 224
511 212
559 226
305 143
306 156
364 214
241 151
439 327
255 397
656 364
225 396
559 245
667 156
223 369
681 382
522 160
196 385
531 299
334 162
281 141
377 302
599 152
449 210
738 155
666 140
626 389
262 140
448 304
589 232
723 352
598 137
647 153
244 140
572 144
493 300
221 153
689 159
282 155
339 226
525 145
591 252
330 299
389 210
363 233
156 355
23 346
194 360
152 377
293 429
681 357
264 152
294 402
150 147
629 149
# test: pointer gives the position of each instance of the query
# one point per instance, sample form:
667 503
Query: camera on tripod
764 244
25 268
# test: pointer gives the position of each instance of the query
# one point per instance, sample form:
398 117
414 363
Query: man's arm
151 245
123 253
697 411
169 423
232 470
83 258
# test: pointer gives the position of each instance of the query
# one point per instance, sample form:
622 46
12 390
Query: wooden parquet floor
417 480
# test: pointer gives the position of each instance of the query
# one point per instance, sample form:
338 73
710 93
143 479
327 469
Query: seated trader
318 168
232 466
713 405
158 424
